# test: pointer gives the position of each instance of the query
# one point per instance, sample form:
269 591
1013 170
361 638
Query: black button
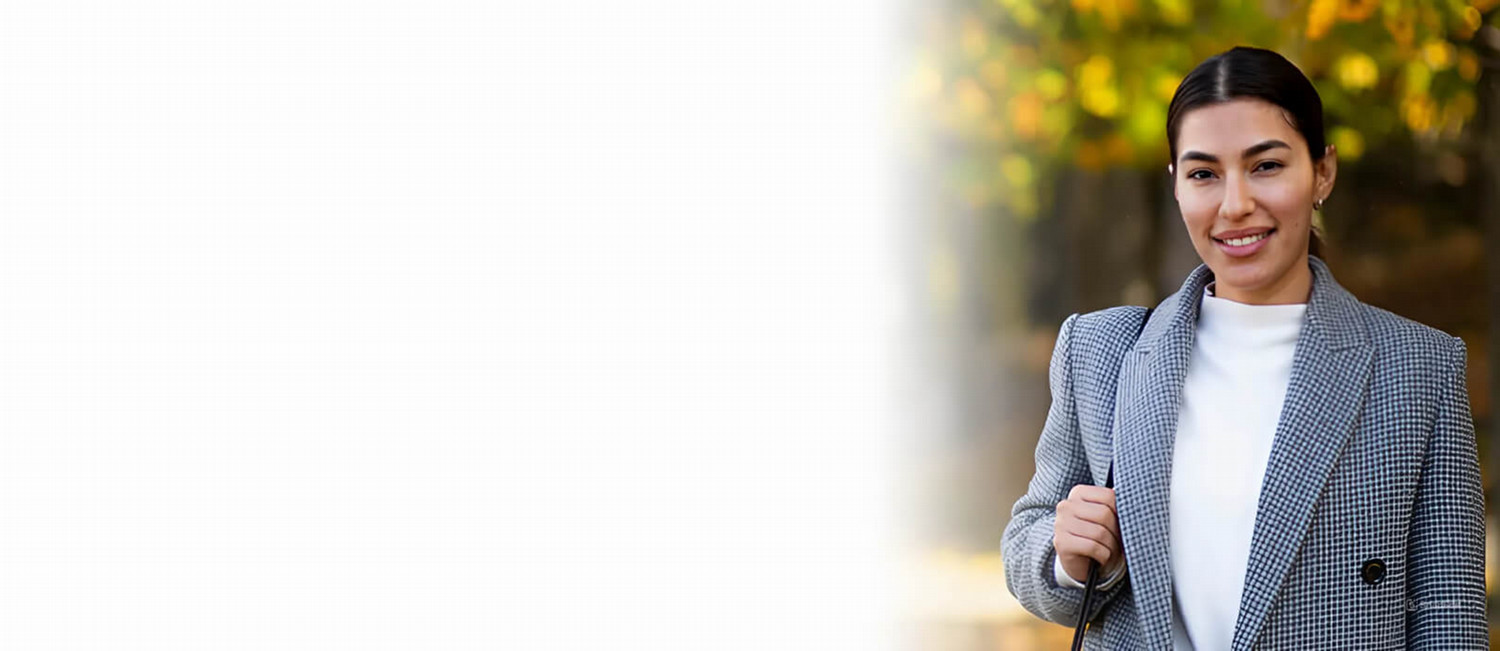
1372 571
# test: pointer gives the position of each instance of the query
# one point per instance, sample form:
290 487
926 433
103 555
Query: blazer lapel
1330 368
1330 372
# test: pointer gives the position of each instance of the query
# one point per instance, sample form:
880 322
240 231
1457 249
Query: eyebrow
1250 151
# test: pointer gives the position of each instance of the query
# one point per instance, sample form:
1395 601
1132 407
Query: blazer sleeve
1445 604
1026 546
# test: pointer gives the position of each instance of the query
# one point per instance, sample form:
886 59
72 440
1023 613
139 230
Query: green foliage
1017 88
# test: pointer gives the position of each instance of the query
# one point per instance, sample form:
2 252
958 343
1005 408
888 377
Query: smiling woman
1291 467
1248 171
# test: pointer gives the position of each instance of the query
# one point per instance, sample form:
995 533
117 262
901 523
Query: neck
1294 287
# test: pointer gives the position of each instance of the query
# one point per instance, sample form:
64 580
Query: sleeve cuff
1063 579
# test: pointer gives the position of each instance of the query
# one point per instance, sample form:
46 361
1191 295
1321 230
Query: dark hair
1255 73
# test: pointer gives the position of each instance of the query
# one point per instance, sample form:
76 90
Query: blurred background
1035 133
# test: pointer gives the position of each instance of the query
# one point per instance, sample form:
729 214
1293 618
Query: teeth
1247 240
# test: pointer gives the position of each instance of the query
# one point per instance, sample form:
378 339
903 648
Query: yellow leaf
1051 84
1419 112
1144 122
1469 22
1026 115
1103 101
1098 70
1354 11
1357 71
1109 13
1403 27
1438 54
1320 17
1175 12
1095 87
1166 86
1350 143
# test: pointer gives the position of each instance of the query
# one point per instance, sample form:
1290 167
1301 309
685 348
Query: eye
1197 175
1269 165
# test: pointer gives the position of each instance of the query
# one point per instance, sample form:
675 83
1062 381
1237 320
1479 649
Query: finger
1091 492
1094 495
1093 532
1102 496
1086 547
1098 514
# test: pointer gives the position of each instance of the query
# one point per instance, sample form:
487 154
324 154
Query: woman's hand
1088 528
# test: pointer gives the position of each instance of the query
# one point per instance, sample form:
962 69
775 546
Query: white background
437 325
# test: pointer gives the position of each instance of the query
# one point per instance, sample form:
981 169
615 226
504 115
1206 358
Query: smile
1251 239
1240 247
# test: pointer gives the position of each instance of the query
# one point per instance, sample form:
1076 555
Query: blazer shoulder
1111 328
1388 329
1119 316
1412 349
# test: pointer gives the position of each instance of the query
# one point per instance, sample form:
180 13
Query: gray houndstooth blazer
1373 462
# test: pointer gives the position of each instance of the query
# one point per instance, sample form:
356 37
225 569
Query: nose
1238 201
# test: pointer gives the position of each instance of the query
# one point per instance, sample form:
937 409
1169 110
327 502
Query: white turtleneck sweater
1231 403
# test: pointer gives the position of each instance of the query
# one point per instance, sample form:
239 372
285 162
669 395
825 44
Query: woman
1293 469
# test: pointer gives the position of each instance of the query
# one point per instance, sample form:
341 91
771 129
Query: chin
1248 275
1241 279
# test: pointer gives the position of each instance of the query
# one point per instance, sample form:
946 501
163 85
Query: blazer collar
1333 314
1330 370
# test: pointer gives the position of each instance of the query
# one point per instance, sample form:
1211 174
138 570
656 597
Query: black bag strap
1089 586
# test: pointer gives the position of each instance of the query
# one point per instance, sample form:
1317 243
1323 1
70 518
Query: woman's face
1246 185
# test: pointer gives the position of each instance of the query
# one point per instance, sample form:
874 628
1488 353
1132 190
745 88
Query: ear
1325 172
1172 174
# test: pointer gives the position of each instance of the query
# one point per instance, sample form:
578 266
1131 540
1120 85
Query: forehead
1228 128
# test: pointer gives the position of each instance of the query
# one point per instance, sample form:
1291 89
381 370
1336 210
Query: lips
1245 250
1243 232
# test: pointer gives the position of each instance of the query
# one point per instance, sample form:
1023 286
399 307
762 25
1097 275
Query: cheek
1196 212
1193 197
1288 207
1290 201
1286 190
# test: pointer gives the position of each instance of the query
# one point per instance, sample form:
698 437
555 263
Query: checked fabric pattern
1374 461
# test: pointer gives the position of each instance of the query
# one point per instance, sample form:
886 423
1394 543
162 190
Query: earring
1318 205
